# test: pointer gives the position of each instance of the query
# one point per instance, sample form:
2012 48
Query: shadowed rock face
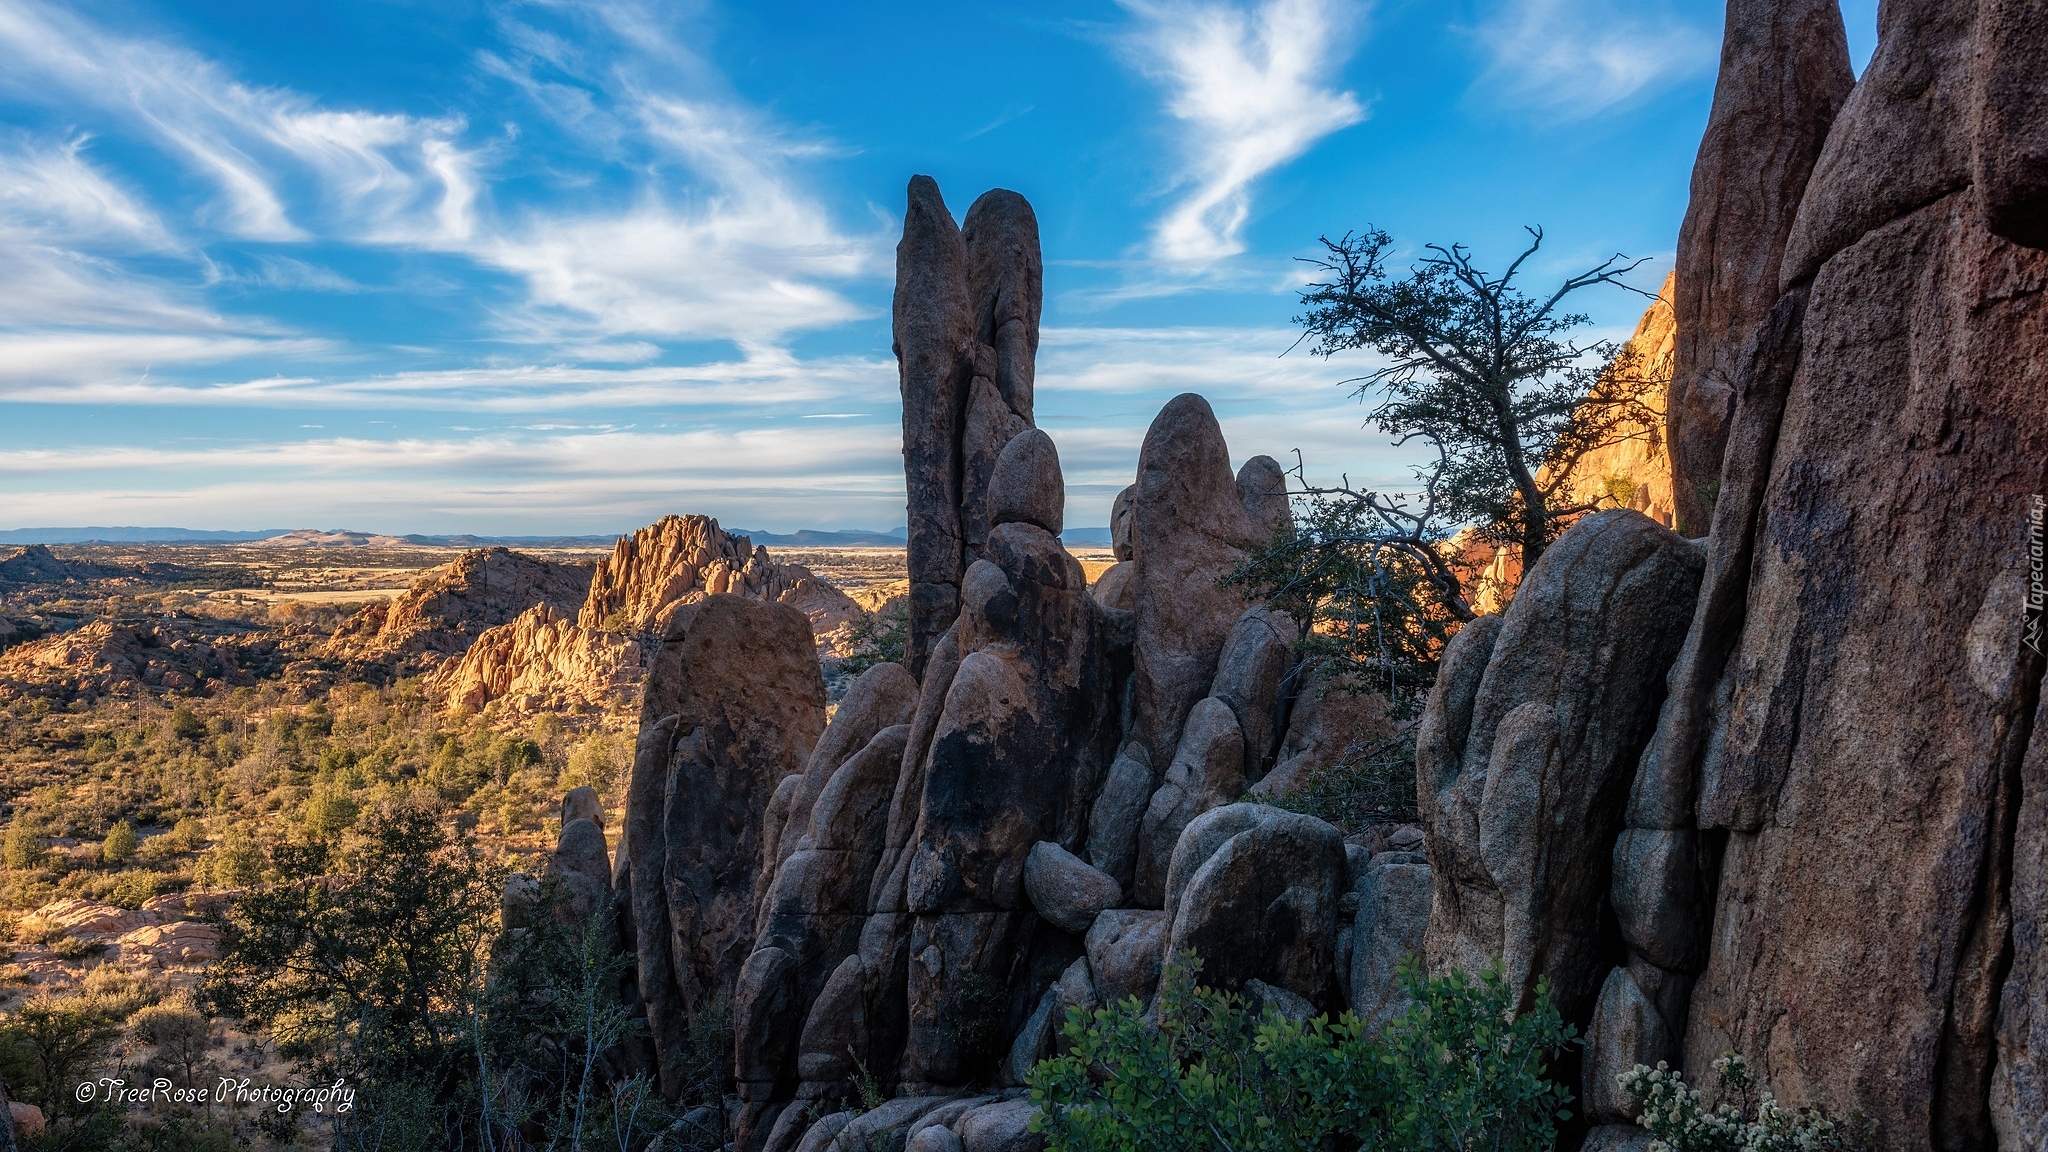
734 704
966 329
1191 524
1880 695
1521 827
1784 75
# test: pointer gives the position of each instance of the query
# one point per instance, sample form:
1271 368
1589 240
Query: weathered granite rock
1120 515
1784 76
1006 290
1878 699
448 607
2010 152
543 660
1262 486
881 697
1660 896
2019 1086
1521 831
1207 772
1189 528
1627 1030
1001 1127
1115 588
582 864
1256 658
1394 897
735 703
1026 729
812 915
933 328
1027 487
1327 722
582 803
1263 904
1114 822
1125 948
1041 1035
1066 889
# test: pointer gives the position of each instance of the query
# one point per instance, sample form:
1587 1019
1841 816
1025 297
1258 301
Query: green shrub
22 850
120 844
1460 1070
235 862
330 813
1680 1122
133 887
1373 784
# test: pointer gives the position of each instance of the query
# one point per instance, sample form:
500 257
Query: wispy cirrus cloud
597 481
1251 88
1571 59
280 163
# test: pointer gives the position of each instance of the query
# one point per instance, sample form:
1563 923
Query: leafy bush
120 844
1460 1070
1680 1122
23 850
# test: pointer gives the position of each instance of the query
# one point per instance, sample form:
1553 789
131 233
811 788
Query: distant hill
344 538
130 536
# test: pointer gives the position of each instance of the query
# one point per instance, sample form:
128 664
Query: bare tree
1489 378
1486 374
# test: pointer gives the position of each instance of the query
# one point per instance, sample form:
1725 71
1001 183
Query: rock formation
680 560
966 338
544 659
967 853
1823 861
1528 745
1784 75
1878 696
447 608
734 704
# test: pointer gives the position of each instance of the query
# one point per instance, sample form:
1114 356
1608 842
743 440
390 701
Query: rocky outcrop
447 608
679 560
1192 522
965 854
734 704
34 564
965 320
1253 890
1524 799
176 654
543 660
1784 76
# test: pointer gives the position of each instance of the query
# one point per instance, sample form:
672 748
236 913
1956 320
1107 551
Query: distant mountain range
340 538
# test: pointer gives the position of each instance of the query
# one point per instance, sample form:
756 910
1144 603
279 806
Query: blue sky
528 268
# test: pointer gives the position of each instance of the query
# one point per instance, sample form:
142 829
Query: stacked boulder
1030 821
966 334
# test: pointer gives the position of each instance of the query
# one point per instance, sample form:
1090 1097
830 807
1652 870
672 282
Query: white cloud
72 368
578 482
373 176
1253 90
1576 58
